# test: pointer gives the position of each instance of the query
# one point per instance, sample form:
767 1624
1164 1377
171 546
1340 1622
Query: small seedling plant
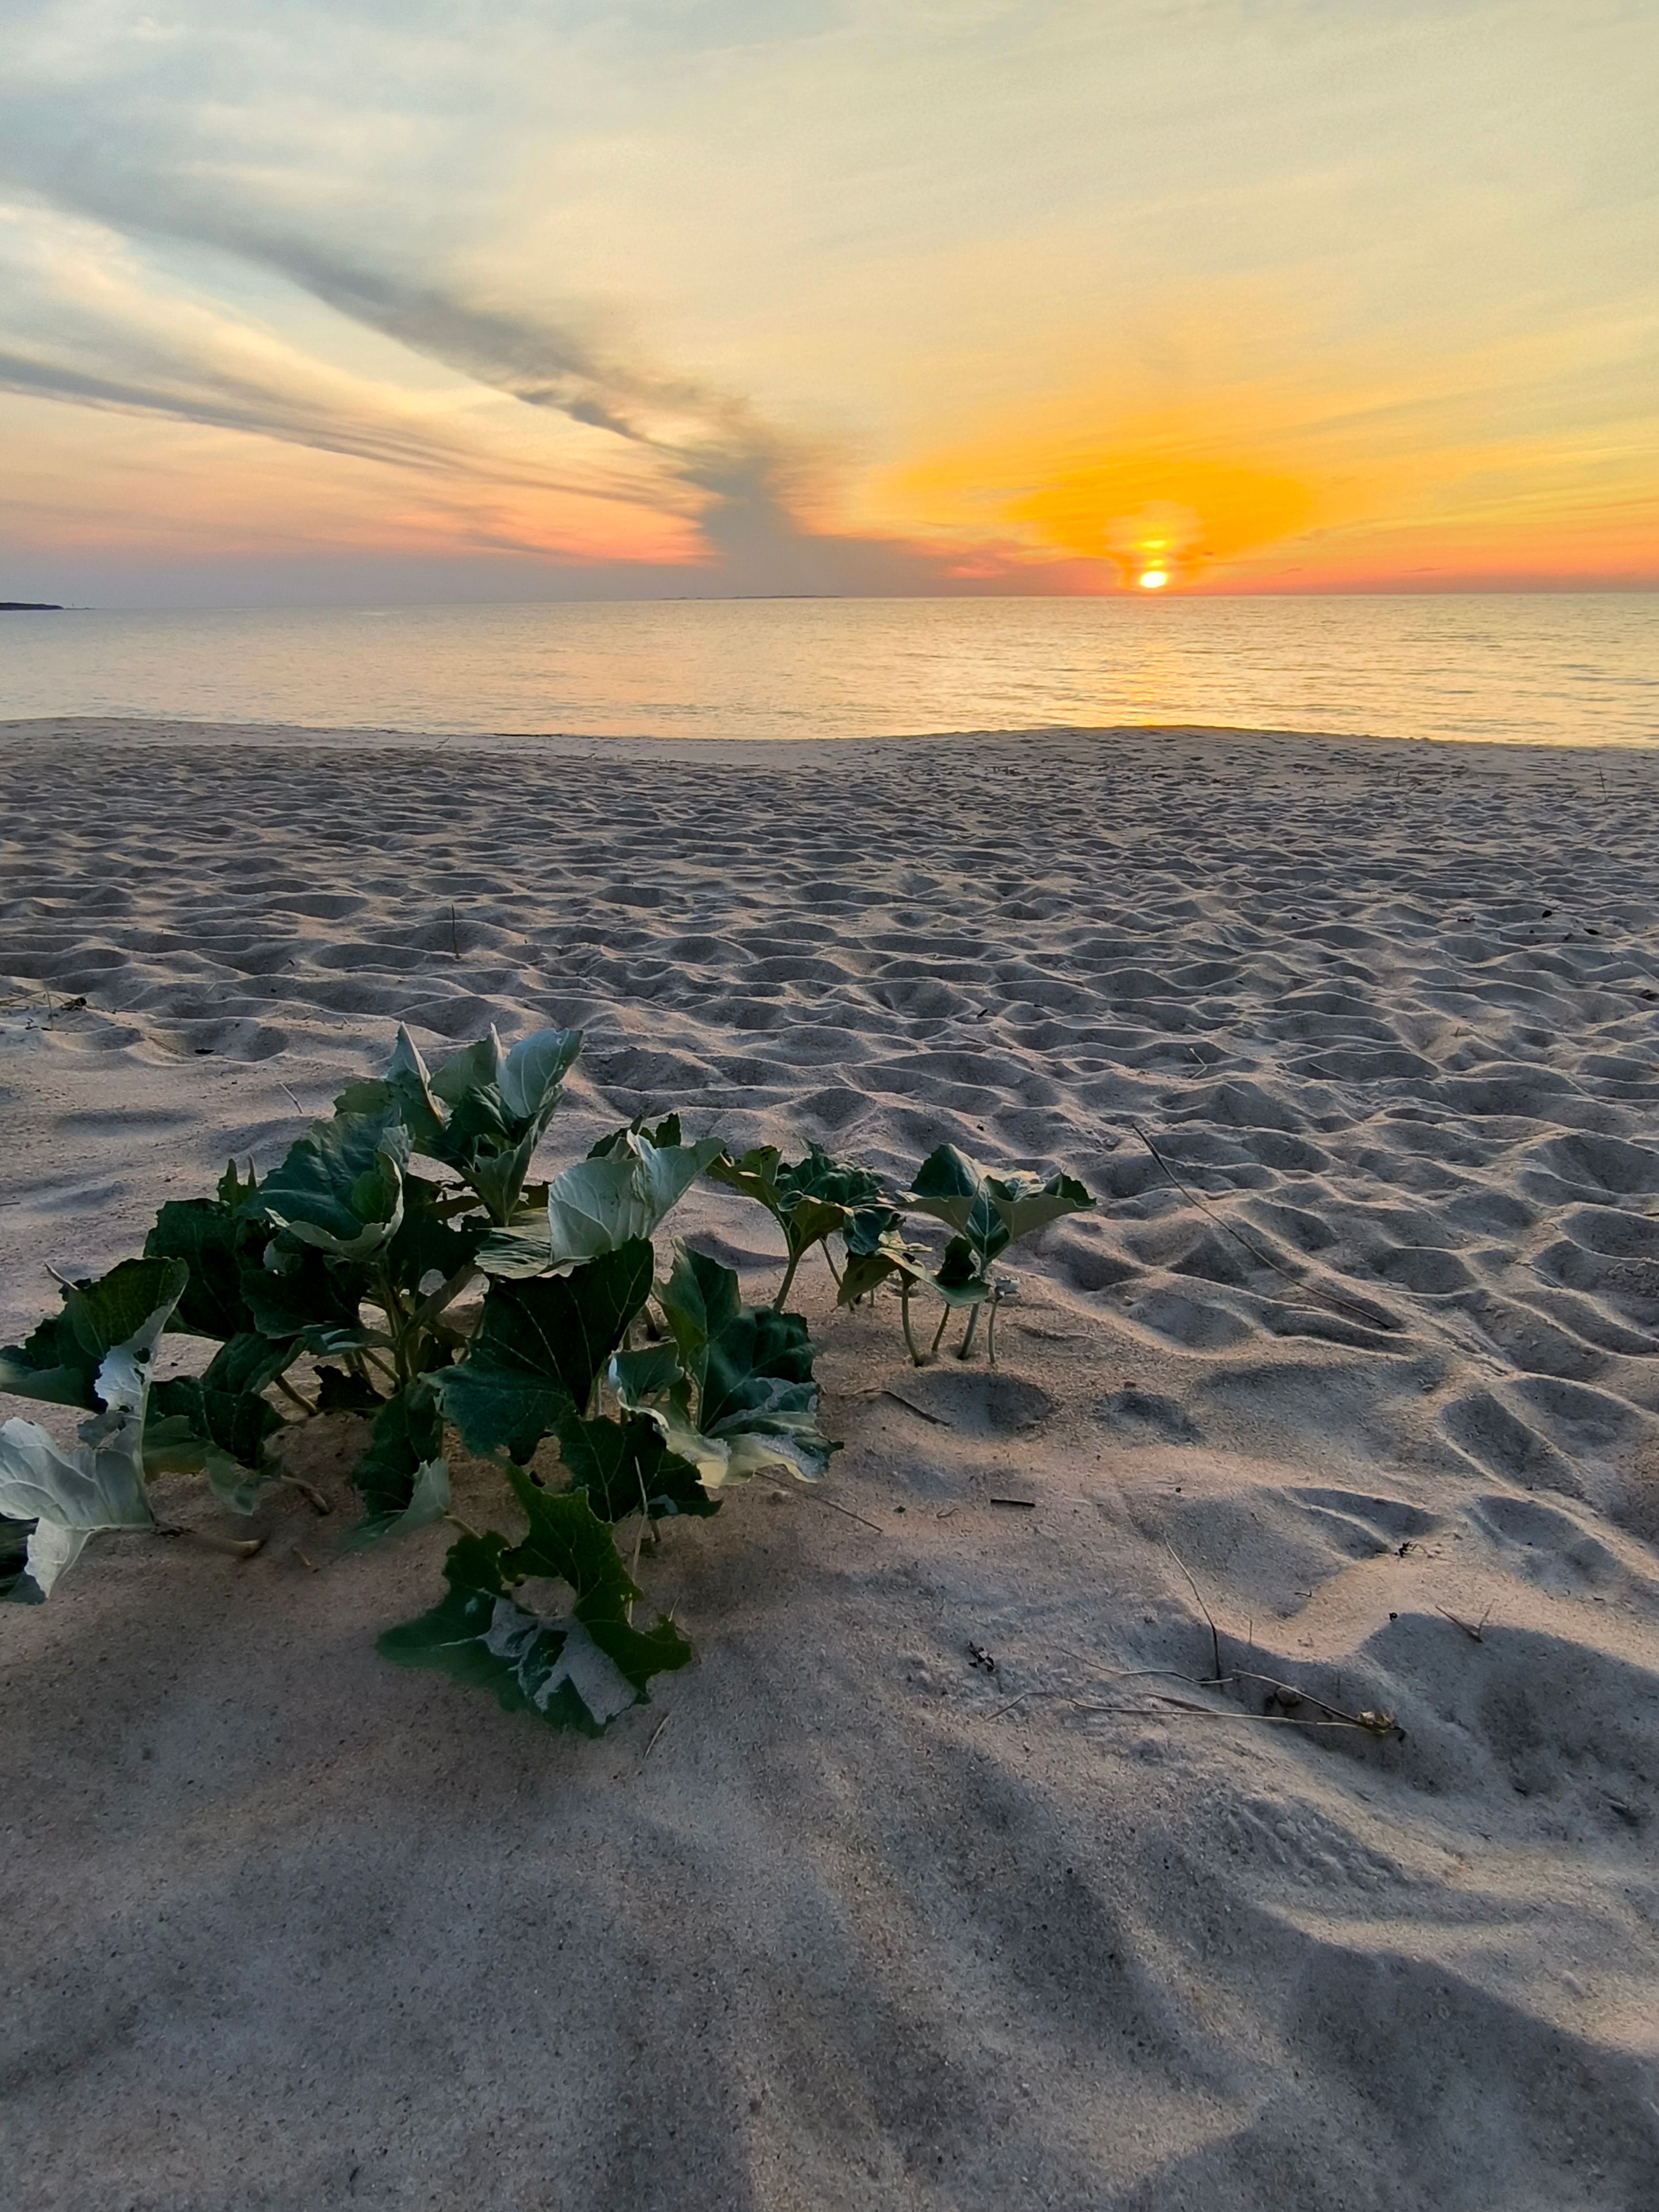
611 1398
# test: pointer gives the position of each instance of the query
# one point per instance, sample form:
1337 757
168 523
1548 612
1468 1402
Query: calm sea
1538 670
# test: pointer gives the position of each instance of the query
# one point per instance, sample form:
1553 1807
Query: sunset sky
419 300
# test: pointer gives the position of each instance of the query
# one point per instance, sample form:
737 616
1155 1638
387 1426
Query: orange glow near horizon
1164 501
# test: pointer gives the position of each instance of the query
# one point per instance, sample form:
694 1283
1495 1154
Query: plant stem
290 1393
991 1329
939 1334
904 1314
829 1259
444 1296
633 1572
385 1292
795 1259
456 1522
967 1344
396 1312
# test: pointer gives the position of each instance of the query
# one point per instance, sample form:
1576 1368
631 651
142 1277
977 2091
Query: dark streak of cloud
712 458
693 450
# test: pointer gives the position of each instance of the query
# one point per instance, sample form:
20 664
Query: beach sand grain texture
1371 1355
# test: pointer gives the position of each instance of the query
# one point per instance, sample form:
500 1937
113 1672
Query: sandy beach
1353 1378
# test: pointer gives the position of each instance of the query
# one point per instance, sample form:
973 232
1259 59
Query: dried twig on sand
1475 1630
920 1411
1215 1633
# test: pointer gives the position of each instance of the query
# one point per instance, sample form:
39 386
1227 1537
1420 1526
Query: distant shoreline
30 607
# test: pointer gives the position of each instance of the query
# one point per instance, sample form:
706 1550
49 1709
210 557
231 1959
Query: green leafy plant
579 1670
347 1281
818 1198
67 1495
336 1285
877 1251
734 1391
484 1111
810 1199
988 1213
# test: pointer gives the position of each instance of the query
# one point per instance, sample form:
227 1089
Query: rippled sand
1366 1363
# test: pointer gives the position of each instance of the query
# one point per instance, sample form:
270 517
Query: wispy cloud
105 331
668 443
161 171
730 272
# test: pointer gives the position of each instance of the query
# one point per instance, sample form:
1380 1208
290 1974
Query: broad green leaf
17 1585
751 1369
217 1424
402 1477
601 1203
427 1241
341 1188
533 1076
498 1176
477 1635
869 1229
653 1372
60 1362
518 1250
875 1249
988 1211
762 1364
406 1076
649 1379
568 1542
593 1207
1025 1210
952 1189
484 1111
625 1466
958 1279
743 1448
475 1067
540 1347
481 1636
700 1299
742 1358
652 1383
867 1272
295 1291
809 1199
576 1672
947 1185
100 1483
217 1242
667 1133
341 1391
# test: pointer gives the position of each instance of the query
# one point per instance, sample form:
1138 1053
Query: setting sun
1153 580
